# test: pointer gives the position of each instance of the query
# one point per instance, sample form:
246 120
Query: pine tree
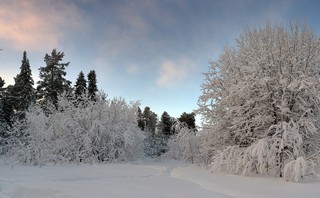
141 123
6 112
3 122
92 85
189 119
53 82
2 83
22 92
81 85
165 124
150 119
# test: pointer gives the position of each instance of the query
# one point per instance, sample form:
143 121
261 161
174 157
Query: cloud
129 27
36 24
133 69
173 74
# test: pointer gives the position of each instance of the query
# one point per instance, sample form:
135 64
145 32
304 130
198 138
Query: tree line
19 99
15 99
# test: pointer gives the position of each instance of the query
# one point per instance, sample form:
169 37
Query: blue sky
154 51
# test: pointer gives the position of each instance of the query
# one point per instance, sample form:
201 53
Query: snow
141 179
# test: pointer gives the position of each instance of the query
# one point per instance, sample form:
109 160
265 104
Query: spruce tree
92 85
22 92
81 85
189 119
150 119
165 124
53 82
1 84
2 120
141 122
6 112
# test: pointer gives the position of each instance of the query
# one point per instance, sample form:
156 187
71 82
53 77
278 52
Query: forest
260 105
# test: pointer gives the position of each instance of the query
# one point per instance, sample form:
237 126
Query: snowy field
141 179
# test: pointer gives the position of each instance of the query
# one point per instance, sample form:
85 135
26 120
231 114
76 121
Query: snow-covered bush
155 145
262 158
297 169
261 100
78 131
184 144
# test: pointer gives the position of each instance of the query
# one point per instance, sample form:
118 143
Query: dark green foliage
92 85
6 116
22 93
150 120
189 119
53 83
141 123
165 124
81 85
6 112
1 83
16 98
2 120
155 145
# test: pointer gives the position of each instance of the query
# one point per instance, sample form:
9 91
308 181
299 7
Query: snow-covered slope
147 179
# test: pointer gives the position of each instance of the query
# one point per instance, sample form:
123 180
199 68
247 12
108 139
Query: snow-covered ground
141 179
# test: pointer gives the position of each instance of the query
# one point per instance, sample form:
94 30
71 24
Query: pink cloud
174 74
35 24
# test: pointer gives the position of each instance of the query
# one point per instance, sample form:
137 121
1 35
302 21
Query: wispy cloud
126 25
133 69
36 24
173 74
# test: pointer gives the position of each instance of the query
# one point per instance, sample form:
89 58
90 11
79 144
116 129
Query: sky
152 51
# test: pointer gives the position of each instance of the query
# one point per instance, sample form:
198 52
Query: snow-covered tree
100 131
184 145
260 102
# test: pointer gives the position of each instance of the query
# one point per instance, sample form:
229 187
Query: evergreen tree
22 92
155 143
2 120
150 119
189 119
6 112
165 124
53 82
141 123
81 85
92 85
1 84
